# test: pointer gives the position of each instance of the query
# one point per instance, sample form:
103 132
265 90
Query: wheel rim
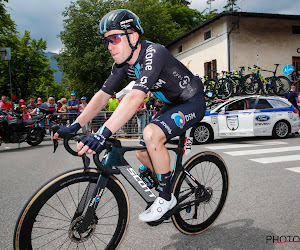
201 134
282 129
53 227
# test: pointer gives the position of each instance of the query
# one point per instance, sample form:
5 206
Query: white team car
247 116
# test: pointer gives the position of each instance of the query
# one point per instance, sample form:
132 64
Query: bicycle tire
281 85
46 219
224 89
252 84
209 87
185 221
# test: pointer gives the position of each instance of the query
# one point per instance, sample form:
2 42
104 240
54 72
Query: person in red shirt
7 106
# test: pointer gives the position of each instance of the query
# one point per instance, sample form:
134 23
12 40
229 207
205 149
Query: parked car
247 116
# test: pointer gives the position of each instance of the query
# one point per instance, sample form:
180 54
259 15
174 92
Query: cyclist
154 69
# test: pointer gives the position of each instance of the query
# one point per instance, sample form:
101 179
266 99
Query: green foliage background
84 61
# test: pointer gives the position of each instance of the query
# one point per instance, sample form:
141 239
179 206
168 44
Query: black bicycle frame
114 157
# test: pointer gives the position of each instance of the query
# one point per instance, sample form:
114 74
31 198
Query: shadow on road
238 234
24 148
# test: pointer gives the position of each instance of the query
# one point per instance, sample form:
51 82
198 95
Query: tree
85 61
231 6
30 69
7 26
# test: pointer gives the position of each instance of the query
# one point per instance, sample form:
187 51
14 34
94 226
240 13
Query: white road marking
263 151
277 159
296 169
270 143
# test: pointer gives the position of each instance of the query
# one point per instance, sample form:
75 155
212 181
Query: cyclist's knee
153 135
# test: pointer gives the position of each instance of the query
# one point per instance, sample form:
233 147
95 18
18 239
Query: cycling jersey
158 71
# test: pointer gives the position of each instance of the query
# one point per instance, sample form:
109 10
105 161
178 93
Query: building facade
234 39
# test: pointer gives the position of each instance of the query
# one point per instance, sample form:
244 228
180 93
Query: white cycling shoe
159 207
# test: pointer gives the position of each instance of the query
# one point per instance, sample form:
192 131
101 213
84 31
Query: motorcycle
14 130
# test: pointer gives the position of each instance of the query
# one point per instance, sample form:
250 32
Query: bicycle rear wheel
210 170
281 85
46 221
224 89
209 88
252 84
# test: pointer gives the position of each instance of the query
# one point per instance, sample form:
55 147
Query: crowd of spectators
66 111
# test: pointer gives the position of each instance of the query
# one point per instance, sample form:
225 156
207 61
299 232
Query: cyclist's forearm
126 109
95 105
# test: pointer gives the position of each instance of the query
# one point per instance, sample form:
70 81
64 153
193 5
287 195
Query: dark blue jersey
158 71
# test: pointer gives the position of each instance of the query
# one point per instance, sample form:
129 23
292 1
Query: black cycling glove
72 129
96 141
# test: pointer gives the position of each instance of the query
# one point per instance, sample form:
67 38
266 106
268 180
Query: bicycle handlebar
66 139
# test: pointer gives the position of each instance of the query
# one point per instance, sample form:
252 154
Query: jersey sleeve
154 60
114 80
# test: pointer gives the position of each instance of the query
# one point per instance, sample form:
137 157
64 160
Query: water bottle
147 176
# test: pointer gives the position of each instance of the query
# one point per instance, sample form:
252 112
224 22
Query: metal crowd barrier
132 129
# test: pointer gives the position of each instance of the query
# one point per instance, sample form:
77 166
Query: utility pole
6 56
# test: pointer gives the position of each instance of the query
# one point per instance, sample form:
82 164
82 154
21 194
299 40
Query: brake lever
86 161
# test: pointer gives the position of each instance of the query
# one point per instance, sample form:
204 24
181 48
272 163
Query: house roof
229 13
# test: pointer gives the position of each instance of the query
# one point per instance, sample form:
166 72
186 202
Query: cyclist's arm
125 110
95 105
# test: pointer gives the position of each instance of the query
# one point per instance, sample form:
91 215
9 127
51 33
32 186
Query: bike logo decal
232 122
262 118
178 119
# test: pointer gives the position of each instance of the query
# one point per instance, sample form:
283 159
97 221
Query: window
207 35
180 49
251 102
263 104
210 69
278 104
296 29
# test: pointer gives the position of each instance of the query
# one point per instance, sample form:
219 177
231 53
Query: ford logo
262 118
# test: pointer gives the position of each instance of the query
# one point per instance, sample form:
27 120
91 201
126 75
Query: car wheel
202 133
281 129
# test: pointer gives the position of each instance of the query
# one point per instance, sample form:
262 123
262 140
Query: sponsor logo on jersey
184 82
149 55
178 119
167 127
159 84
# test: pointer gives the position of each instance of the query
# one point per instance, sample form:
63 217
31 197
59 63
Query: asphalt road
262 206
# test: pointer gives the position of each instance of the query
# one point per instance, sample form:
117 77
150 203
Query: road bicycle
278 85
88 208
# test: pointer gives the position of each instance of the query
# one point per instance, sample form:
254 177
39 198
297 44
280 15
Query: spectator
141 117
19 107
73 105
7 106
63 109
294 78
37 109
39 99
293 97
157 107
85 128
112 104
31 106
58 105
51 107
25 113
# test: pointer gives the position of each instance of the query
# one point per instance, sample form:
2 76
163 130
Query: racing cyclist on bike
154 69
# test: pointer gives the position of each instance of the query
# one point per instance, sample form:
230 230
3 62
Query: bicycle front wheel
224 89
47 222
209 88
281 85
209 169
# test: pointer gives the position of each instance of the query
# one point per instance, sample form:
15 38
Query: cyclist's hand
64 130
93 143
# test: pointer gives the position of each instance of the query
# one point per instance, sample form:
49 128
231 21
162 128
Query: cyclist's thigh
175 120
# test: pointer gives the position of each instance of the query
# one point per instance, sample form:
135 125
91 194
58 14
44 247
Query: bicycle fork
93 196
